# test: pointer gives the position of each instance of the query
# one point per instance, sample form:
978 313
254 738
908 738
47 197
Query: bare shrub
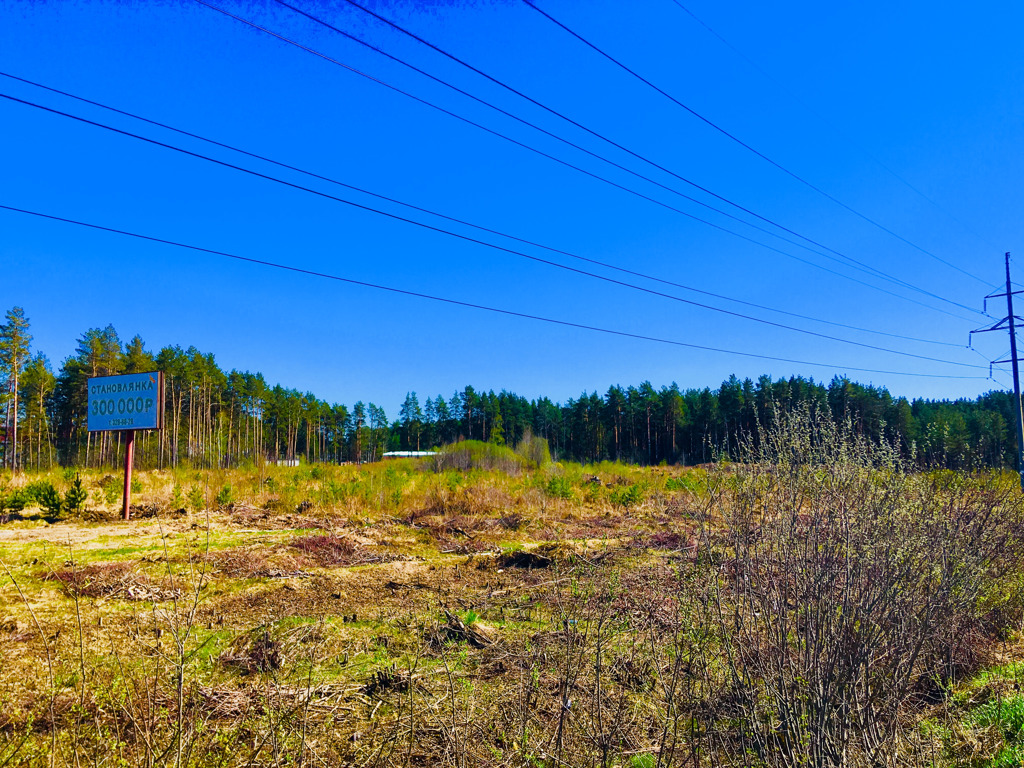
846 584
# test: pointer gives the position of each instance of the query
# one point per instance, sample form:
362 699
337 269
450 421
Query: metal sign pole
129 455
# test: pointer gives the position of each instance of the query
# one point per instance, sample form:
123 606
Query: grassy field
816 605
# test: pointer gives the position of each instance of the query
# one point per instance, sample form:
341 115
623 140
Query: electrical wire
993 367
421 209
849 140
474 240
602 158
868 270
623 148
748 147
471 305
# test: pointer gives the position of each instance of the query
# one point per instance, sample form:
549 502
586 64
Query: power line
846 136
748 147
864 268
472 305
992 367
474 240
604 159
620 146
421 209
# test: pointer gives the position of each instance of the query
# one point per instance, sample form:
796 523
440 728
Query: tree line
218 418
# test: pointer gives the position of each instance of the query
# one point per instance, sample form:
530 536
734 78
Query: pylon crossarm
1000 325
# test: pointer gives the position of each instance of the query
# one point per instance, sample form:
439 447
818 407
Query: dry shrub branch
845 590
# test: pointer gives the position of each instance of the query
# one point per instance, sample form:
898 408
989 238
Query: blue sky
908 113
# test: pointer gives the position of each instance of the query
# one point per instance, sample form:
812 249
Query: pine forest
218 418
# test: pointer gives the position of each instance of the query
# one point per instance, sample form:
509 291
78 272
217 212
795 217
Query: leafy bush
113 488
391 486
473 454
535 450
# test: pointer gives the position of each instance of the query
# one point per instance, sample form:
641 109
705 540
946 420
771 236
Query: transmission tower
1009 323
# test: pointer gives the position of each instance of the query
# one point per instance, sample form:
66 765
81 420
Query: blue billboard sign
131 401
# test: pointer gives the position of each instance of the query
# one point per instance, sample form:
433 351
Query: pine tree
75 498
14 345
497 429
411 416
37 384
136 358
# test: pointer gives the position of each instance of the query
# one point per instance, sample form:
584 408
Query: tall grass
800 607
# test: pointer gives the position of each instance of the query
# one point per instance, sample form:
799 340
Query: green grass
1007 716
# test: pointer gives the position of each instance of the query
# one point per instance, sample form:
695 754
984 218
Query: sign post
129 457
127 403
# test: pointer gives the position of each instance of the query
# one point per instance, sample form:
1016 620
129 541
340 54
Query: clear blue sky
910 113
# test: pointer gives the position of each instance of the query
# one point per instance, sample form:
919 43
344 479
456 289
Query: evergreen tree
136 358
37 385
497 429
411 418
14 346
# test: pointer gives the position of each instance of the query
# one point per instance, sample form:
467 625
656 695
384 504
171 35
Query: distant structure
408 454
287 462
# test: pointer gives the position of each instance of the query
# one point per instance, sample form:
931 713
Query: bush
113 488
840 599
12 501
76 496
535 450
473 454
224 496
559 487
35 490
628 496
195 499
49 499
